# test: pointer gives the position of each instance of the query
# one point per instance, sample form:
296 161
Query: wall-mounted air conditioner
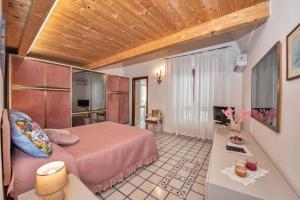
240 63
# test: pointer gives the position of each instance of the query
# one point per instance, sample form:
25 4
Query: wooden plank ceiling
91 32
16 12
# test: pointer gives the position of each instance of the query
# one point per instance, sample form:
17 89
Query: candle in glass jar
240 168
251 164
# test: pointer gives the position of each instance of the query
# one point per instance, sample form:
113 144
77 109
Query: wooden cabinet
27 72
123 84
41 90
113 107
57 76
112 83
117 84
31 102
124 108
58 109
117 106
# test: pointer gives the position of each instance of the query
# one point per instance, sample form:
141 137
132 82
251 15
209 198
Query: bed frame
5 152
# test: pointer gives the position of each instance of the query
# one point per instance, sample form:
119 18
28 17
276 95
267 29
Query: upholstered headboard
6 149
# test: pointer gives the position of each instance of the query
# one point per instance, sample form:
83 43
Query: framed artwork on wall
293 54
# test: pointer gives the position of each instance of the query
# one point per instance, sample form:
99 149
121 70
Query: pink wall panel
124 108
112 83
57 76
124 84
112 110
117 84
117 104
58 109
27 72
31 102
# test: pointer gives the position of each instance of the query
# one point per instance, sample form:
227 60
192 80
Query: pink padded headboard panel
6 150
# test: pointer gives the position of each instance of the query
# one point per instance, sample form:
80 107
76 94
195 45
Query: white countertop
271 187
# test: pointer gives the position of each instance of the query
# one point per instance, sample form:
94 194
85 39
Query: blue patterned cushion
28 136
20 114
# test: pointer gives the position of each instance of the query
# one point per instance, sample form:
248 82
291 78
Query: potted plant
236 118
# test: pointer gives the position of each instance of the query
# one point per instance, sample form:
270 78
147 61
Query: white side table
74 190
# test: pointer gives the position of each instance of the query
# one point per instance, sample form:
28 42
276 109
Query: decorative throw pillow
20 114
28 136
61 137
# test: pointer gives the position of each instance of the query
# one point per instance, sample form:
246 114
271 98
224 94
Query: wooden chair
155 119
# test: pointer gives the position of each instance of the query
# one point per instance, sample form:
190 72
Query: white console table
219 186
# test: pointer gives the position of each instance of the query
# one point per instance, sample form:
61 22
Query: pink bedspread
25 167
107 152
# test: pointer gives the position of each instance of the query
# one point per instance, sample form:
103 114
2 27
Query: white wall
156 93
283 148
116 69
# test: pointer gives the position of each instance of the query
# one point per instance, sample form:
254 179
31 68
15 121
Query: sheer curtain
194 84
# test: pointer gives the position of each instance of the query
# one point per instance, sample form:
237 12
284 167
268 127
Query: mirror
81 91
265 89
88 97
98 92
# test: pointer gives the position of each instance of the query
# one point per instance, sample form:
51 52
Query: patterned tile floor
178 174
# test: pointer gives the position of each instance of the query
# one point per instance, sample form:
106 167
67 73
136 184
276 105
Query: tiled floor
178 174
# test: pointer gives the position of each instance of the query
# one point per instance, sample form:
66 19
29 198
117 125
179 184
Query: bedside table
74 190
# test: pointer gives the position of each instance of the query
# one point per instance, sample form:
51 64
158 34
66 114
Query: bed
106 153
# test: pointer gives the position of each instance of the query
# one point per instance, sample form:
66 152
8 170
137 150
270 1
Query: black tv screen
219 115
83 103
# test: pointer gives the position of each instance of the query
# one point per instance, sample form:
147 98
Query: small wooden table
74 190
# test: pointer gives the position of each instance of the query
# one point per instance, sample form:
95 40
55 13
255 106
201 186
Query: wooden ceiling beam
249 16
39 12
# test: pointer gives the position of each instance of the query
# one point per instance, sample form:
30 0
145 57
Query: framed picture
293 54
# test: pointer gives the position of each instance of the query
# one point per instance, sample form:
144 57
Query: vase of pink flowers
236 118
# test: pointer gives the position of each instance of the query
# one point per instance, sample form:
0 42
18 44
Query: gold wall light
158 77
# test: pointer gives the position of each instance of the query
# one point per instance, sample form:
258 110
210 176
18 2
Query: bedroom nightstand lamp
50 181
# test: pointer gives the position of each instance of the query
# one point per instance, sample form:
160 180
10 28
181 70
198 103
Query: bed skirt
120 177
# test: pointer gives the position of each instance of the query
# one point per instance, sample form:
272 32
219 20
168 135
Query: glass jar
240 168
251 164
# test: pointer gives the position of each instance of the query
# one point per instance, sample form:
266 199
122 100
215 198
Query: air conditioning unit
241 63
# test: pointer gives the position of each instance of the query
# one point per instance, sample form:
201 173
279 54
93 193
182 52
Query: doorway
139 101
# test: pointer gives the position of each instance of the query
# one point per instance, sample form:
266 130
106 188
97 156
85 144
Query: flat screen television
219 115
83 103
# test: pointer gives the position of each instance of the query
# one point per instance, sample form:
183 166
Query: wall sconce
158 77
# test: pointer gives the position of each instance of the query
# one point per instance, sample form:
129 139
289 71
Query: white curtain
194 84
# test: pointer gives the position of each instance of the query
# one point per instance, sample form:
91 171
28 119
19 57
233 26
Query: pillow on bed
61 137
28 136
20 114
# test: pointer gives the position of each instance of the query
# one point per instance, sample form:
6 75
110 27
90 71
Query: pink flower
240 115
265 115
228 113
270 116
243 115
